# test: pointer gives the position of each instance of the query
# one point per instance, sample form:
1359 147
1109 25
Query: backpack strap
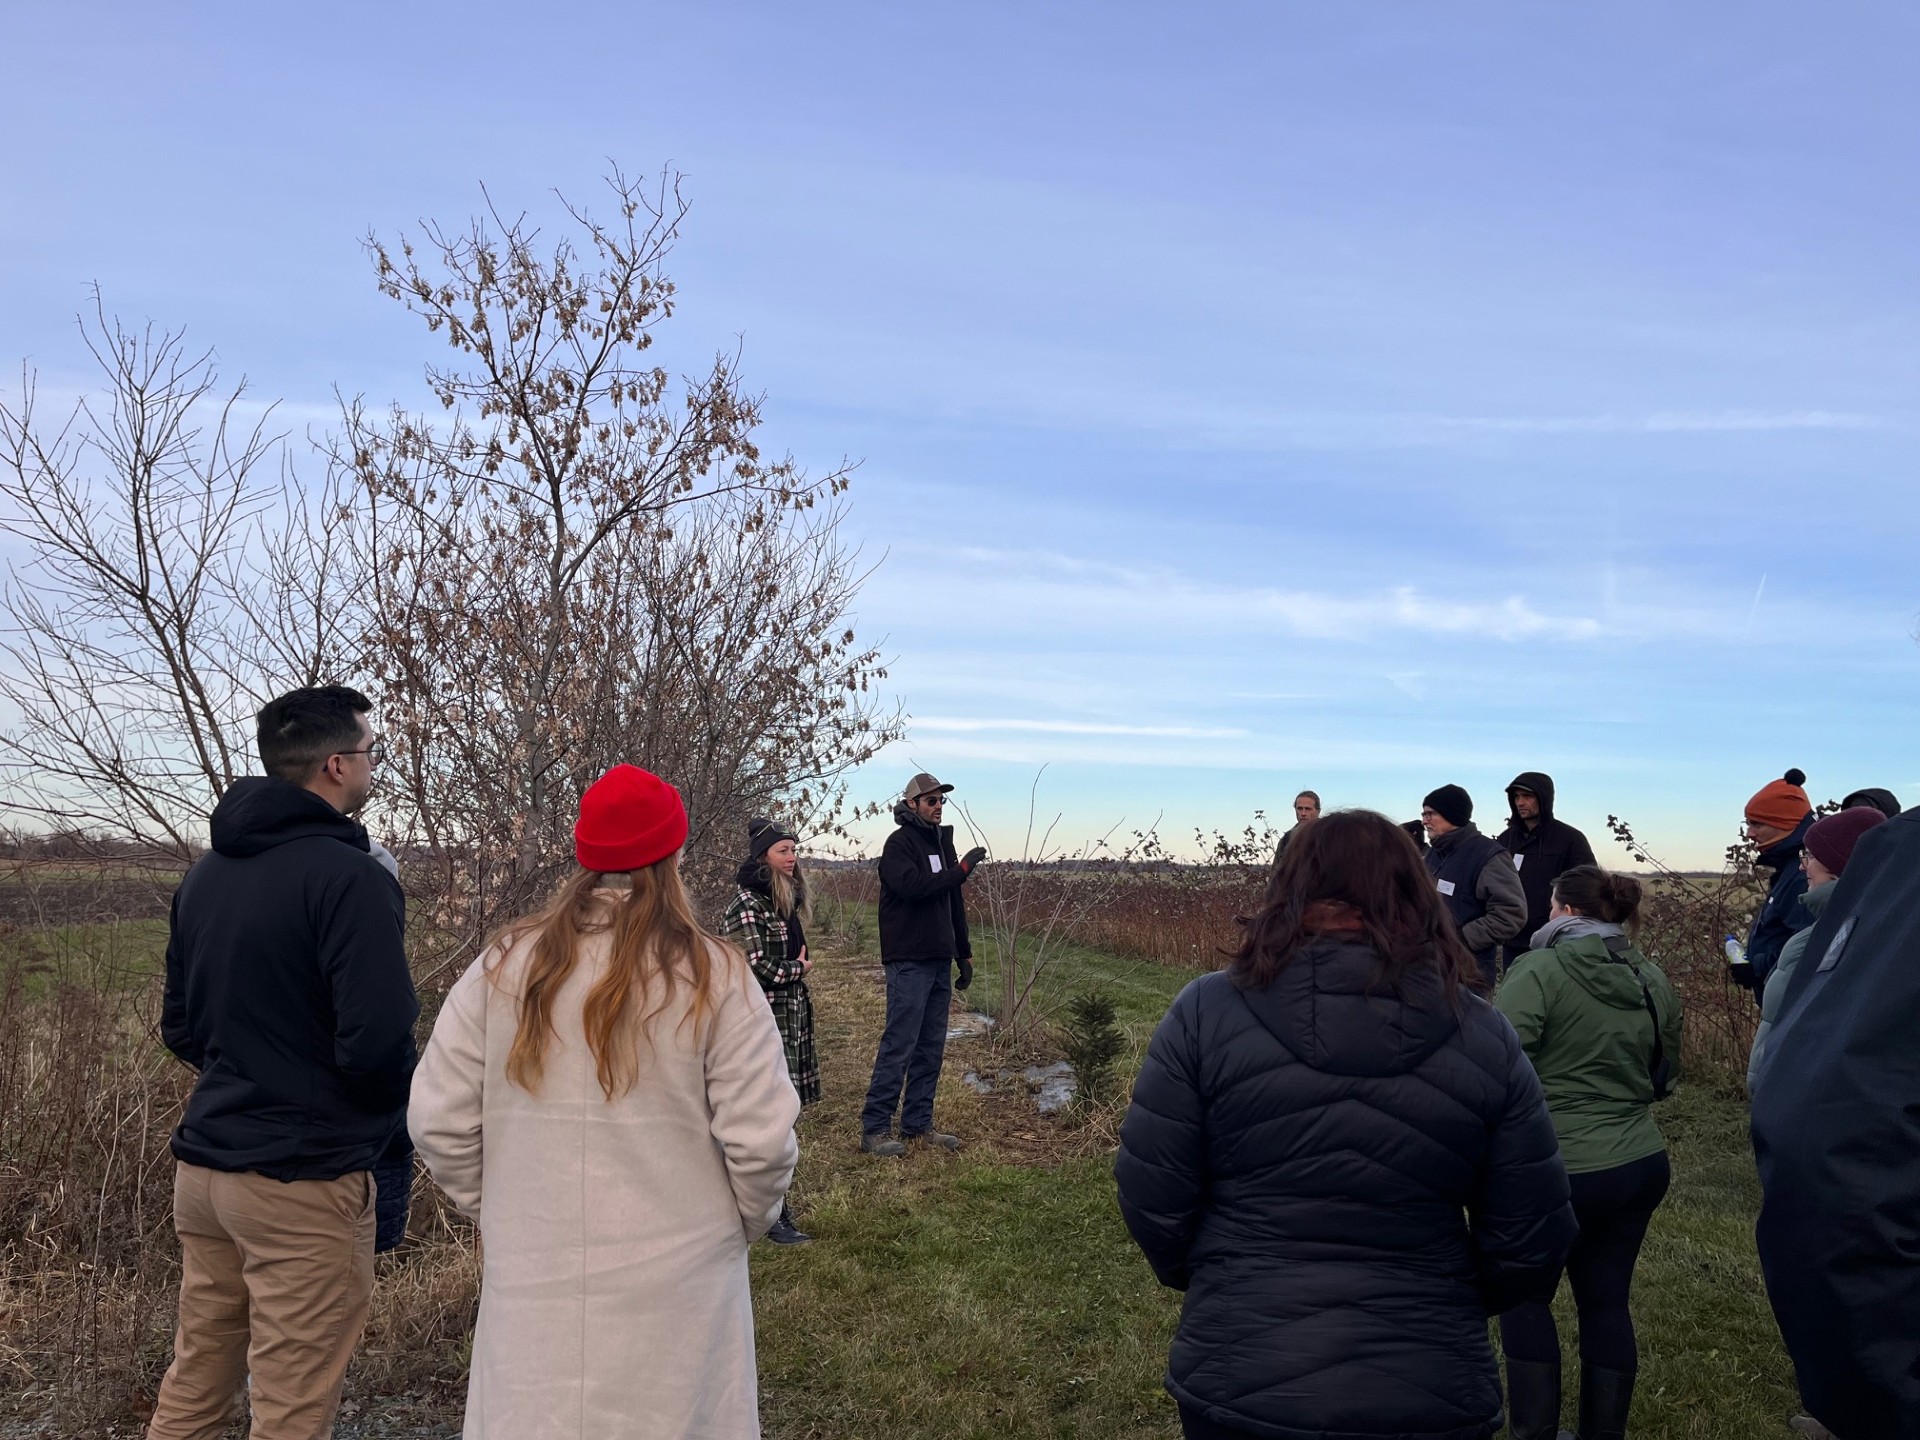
1617 947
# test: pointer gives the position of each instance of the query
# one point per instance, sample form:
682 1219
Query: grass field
996 1293
990 1293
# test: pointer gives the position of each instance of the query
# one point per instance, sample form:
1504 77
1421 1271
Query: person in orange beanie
1778 818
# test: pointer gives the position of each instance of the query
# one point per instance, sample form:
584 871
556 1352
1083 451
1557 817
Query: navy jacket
1782 914
288 990
1836 1129
1345 1185
922 916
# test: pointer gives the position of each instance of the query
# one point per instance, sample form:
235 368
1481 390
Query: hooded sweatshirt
1582 1017
1541 853
287 989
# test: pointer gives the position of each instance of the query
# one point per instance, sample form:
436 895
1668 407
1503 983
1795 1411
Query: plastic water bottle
1736 952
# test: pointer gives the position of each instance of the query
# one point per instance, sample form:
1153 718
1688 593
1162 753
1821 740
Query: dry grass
989 1293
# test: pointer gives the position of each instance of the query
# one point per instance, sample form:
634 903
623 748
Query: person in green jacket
1602 1027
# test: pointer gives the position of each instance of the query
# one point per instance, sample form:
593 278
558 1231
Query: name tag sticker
934 861
1446 887
1836 945
1518 861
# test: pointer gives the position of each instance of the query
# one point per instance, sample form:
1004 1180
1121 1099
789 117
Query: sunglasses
931 799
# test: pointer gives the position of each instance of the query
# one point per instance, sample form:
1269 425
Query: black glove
972 858
966 974
1741 973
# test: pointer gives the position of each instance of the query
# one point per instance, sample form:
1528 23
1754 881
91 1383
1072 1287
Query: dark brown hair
1357 872
1599 894
301 730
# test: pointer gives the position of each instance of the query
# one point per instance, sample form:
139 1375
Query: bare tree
1039 903
578 564
175 579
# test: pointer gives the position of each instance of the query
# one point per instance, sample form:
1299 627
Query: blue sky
1249 396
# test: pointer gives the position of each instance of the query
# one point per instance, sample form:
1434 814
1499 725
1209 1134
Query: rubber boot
1533 1399
1605 1398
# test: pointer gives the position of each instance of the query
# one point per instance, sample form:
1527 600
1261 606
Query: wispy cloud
1094 593
949 723
1667 422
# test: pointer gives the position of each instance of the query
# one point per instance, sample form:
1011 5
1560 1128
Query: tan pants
275 1280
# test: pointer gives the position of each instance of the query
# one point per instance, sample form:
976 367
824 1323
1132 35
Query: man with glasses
923 931
287 989
1778 818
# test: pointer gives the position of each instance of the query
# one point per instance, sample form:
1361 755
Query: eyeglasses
375 753
932 799
1428 814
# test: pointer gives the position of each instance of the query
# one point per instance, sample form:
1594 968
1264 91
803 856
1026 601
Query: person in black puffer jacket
1343 1157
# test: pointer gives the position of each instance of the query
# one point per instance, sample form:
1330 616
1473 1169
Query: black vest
1460 865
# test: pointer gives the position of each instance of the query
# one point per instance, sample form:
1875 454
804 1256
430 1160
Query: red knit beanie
1781 803
1831 840
629 819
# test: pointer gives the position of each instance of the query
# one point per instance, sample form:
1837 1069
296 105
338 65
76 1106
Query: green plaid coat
755 926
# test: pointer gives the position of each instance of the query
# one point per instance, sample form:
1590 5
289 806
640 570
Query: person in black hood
923 932
1874 798
287 988
1543 849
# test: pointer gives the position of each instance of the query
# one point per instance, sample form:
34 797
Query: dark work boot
1605 1398
1533 1399
785 1232
881 1143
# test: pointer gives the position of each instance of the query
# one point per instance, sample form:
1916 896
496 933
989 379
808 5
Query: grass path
996 1293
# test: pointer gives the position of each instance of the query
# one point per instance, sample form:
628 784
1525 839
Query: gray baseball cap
925 784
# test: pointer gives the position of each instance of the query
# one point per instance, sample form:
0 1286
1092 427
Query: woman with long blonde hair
606 1096
767 919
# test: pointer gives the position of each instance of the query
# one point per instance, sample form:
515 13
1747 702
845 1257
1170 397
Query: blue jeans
919 993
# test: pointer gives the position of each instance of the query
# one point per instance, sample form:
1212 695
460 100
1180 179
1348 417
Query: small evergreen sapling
1092 1043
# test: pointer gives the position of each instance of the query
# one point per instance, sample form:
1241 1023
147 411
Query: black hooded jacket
1541 854
922 916
287 989
1874 796
1836 1130
1345 1184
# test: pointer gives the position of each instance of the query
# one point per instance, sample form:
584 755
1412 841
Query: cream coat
613 1298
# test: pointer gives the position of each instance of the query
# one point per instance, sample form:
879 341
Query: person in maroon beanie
1829 845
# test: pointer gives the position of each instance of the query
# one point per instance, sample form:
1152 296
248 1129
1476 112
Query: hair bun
1795 776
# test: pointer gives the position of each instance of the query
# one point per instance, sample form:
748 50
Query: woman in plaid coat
767 919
